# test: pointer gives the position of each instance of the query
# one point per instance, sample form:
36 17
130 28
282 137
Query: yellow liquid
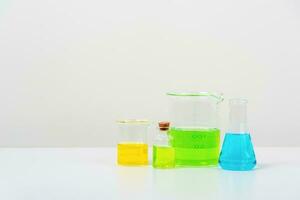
132 154
163 157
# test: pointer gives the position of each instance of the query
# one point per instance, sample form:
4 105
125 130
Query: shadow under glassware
237 184
185 183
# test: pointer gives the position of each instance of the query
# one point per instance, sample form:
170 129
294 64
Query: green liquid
163 157
195 147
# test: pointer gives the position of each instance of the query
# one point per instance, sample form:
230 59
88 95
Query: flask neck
163 132
238 116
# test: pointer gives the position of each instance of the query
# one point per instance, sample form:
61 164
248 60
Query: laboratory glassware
237 150
132 143
195 133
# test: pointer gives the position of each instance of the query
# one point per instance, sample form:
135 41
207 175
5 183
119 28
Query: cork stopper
164 126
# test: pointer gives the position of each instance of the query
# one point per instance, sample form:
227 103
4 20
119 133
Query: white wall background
69 69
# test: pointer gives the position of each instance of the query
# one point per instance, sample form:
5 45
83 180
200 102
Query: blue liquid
237 152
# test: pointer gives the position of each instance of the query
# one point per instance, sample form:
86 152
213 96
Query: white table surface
91 174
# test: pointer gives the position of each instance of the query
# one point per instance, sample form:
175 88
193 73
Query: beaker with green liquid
194 132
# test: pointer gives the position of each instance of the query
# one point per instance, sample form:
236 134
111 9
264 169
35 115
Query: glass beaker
194 131
132 145
237 151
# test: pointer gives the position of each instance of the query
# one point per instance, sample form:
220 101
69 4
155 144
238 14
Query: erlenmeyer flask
237 150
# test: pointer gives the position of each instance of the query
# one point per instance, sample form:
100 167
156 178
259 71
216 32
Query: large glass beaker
194 132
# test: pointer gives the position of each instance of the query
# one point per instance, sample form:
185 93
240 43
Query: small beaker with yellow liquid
132 145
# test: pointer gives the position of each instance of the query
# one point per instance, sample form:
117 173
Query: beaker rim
218 96
133 121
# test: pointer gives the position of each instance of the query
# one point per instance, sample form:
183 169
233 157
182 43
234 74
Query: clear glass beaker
237 151
132 144
194 130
